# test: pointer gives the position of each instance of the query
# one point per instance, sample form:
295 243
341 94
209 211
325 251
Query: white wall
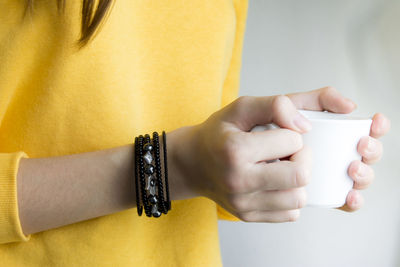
354 45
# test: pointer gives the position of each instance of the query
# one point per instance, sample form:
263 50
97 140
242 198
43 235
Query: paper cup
333 140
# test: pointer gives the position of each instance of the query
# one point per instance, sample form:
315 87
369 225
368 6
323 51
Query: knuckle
243 98
293 215
279 103
329 90
231 149
242 103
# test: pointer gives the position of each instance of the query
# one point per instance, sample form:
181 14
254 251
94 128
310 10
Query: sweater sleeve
225 215
10 226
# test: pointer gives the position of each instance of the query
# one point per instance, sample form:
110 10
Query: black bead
168 205
149 169
142 178
148 147
157 214
158 170
153 199
148 213
152 182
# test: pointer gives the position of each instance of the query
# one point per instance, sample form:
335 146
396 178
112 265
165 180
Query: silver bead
154 208
155 212
147 157
152 190
148 182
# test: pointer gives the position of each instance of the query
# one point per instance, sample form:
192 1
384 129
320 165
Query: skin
217 159
58 191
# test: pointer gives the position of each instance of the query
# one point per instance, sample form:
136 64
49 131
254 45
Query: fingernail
371 147
351 102
301 122
355 201
361 171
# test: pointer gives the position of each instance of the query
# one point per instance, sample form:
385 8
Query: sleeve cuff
225 215
10 226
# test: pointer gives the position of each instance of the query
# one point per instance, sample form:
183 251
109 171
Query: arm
57 191
218 159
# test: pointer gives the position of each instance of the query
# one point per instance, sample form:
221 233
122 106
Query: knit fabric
152 66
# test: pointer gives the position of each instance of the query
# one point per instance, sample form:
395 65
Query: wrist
180 158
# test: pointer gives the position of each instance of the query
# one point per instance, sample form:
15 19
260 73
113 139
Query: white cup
333 140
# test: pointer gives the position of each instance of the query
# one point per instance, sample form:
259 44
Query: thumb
327 98
248 111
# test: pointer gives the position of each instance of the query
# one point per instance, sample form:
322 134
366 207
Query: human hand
369 147
224 161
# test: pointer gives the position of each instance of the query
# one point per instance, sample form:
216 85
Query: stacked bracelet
148 177
139 207
168 203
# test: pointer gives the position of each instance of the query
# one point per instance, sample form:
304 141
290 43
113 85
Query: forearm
58 191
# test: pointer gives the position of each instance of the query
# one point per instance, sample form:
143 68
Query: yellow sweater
153 66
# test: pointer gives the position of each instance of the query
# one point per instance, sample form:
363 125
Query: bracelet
148 177
139 206
158 171
139 159
168 203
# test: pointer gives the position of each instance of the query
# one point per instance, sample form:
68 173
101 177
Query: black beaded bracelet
138 203
139 158
151 182
150 187
158 170
168 202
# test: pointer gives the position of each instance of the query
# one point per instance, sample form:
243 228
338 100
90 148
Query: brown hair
90 20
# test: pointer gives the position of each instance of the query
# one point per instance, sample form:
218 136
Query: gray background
353 45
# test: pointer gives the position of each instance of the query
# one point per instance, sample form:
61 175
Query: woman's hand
223 161
369 147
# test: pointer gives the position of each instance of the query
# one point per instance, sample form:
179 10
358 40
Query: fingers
354 201
370 149
279 175
270 216
361 173
274 200
269 144
380 125
247 111
327 98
